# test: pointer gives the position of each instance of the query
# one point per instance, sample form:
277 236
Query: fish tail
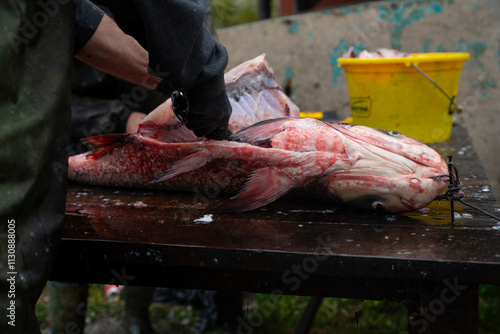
104 143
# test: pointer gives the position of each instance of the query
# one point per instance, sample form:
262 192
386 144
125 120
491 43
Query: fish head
389 171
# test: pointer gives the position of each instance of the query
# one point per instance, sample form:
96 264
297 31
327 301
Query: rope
453 193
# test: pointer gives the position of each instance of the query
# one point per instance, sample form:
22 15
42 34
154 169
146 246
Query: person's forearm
114 52
179 44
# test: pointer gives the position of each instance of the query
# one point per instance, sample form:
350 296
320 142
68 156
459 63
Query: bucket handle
453 106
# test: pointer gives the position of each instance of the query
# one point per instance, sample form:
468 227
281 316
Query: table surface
294 245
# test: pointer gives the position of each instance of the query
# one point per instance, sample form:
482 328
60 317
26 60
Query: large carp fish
270 153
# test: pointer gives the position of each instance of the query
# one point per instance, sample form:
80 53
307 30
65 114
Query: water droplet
216 260
349 240
300 225
496 227
466 215
486 188
22 278
457 215
405 253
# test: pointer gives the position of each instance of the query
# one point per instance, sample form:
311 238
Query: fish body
270 153
354 164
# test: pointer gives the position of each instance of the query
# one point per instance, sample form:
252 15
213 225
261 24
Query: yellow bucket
412 95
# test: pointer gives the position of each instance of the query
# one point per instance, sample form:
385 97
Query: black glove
207 119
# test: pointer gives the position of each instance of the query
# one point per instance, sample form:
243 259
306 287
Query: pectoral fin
261 134
264 186
187 164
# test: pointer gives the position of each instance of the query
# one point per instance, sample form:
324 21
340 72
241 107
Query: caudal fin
104 143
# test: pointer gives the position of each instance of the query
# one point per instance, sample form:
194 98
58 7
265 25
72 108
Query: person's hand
207 119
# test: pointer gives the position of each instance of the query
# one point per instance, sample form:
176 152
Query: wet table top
299 246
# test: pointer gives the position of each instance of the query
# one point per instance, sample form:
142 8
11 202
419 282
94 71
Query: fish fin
104 143
261 134
187 164
263 187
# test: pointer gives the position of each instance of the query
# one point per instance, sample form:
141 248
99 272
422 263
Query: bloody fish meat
368 168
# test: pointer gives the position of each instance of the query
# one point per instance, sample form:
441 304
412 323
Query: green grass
489 308
281 314
344 315
227 13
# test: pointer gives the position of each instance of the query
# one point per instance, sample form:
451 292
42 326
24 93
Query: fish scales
136 161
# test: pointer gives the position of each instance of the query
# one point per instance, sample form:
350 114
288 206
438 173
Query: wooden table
293 246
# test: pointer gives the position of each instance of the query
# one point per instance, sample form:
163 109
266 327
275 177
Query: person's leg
35 64
67 307
137 301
